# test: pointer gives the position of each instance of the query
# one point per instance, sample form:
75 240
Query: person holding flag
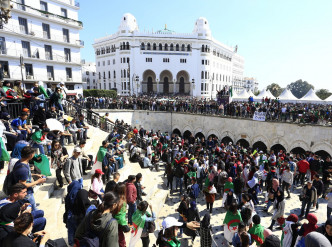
140 218
228 186
257 230
100 156
231 222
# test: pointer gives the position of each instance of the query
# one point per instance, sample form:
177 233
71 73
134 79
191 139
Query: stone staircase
51 198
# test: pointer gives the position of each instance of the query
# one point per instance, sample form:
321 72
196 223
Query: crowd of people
274 109
111 206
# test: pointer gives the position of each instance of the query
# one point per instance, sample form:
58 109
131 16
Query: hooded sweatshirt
316 239
109 236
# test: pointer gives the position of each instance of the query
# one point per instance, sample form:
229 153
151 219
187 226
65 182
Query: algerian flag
121 216
257 233
42 89
231 223
138 225
228 186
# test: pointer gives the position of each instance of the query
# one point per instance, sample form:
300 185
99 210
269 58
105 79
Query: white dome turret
202 27
128 23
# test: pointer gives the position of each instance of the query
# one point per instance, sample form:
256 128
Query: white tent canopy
242 96
311 97
287 97
328 100
251 94
265 93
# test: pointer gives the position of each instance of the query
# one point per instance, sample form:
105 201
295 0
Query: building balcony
49 38
50 17
38 56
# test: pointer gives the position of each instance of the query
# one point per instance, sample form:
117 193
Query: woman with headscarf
290 231
279 208
210 196
230 198
305 229
16 154
205 231
192 215
69 217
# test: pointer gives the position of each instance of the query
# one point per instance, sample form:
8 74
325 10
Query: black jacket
319 186
179 171
238 185
139 191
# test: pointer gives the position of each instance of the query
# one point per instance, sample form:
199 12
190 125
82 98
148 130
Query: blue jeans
41 147
181 220
239 198
269 203
179 182
39 222
32 201
329 211
59 105
71 227
131 211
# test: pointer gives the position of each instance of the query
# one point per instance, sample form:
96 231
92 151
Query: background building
41 43
165 62
89 76
251 84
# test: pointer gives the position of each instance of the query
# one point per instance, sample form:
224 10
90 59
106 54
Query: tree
323 93
299 88
275 89
257 93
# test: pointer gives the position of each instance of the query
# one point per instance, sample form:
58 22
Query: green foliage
258 92
299 88
99 93
275 89
323 93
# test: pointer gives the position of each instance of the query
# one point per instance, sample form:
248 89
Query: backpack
91 238
9 180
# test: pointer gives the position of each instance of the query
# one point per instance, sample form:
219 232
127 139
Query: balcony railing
49 16
44 35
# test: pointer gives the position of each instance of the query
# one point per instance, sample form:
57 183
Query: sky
281 41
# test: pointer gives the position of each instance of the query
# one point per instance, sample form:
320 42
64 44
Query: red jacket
131 193
303 166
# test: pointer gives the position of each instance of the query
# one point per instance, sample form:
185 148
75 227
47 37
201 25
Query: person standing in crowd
100 157
141 219
210 196
287 180
290 231
238 186
329 204
110 186
139 187
59 156
257 230
231 222
279 208
73 167
56 99
102 222
22 174
131 197
308 197
183 210
97 183
306 229
318 184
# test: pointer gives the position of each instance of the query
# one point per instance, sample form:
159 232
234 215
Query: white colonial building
89 75
165 62
41 42
251 84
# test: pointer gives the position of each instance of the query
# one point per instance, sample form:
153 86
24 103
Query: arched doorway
213 136
277 147
177 132
226 140
323 154
243 143
298 150
150 85
199 135
260 146
181 89
166 85
186 134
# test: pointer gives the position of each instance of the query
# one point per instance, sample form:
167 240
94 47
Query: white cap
230 143
169 222
260 152
77 150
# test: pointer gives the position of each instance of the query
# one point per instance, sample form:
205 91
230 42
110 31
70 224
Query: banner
259 116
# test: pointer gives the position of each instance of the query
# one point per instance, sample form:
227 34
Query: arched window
160 47
183 47
171 47
202 75
177 47
148 46
127 45
154 46
166 47
142 46
188 47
